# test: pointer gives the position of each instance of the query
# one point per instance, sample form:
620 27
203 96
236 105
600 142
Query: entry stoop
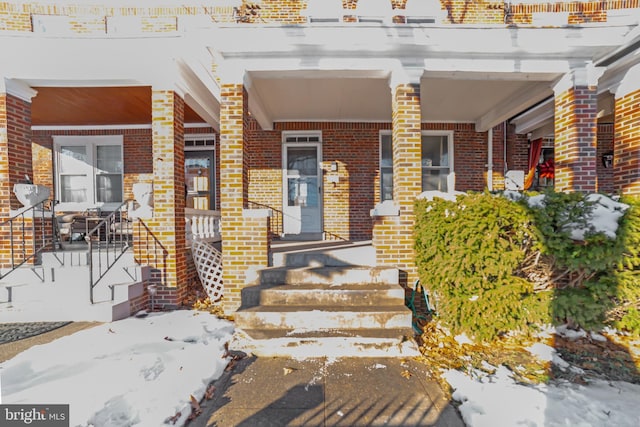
339 311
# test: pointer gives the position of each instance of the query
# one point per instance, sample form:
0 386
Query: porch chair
318 11
424 12
377 11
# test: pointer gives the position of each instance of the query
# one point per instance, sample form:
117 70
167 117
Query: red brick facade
94 19
626 155
575 139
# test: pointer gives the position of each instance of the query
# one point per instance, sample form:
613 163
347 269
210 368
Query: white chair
424 12
380 11
324 11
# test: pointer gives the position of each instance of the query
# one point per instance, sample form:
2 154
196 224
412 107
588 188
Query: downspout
490 160
504 147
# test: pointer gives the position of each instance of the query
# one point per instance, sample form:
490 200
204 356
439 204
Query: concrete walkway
327 392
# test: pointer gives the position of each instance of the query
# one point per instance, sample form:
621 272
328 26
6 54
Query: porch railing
107 241
30 231
276 229
203 225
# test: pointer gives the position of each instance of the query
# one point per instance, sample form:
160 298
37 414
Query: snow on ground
491 397
137 371
497 400
142 371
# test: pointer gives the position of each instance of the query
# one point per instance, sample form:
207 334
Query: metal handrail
37 240
276 228
109 239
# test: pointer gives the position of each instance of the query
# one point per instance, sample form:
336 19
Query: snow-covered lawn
143 371
137 371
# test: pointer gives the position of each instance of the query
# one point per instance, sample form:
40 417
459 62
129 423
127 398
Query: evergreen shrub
493 265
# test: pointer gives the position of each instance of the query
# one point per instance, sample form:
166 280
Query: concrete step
350 295
394 342
329 254
322 275
70 301
323 317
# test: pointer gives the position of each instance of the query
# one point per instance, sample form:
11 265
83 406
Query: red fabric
547 169
535 149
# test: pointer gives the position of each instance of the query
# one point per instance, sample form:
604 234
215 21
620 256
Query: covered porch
270 96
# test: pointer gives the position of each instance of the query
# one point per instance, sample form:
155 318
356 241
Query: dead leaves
287 370
196 409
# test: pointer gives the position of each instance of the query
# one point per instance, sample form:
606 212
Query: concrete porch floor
327 252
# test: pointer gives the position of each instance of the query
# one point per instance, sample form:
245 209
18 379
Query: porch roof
480 75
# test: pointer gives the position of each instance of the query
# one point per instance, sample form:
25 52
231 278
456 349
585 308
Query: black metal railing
107 241
29 232
276 229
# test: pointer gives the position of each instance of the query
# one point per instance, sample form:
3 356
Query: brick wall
517 150
626 156
579 12
605 145
15 148
167 227
136 145
393 235
575 139
91 19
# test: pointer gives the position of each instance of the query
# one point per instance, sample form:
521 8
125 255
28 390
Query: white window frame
91 143
381 134
449 135
209 143
450 144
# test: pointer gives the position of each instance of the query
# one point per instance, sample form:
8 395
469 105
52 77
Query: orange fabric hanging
535 149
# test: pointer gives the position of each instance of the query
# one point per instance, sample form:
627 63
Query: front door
302 189
199 179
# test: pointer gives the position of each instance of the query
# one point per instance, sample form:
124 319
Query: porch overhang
480 75
328 73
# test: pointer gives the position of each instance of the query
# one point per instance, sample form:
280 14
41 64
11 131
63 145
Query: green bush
467 253
493 265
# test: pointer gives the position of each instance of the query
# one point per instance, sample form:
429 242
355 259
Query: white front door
302 189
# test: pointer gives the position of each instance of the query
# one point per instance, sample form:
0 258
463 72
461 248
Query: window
436 159
437 162
90 171
386 167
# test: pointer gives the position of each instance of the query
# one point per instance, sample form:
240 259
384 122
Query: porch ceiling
368 99
66 106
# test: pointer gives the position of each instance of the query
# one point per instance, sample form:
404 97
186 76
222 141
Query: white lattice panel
208 262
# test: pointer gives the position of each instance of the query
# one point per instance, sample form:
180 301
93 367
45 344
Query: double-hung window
436 162
89 171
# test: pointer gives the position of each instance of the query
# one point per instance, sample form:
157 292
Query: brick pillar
15 160
576 129
626 155
161 241
393 235
245 242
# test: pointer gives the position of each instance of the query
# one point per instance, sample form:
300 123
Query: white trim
87 141
320 171
113 127
306 133
450 135
91 127
195 136
18 89
198 125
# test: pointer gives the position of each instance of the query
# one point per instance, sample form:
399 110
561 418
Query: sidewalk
327 392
